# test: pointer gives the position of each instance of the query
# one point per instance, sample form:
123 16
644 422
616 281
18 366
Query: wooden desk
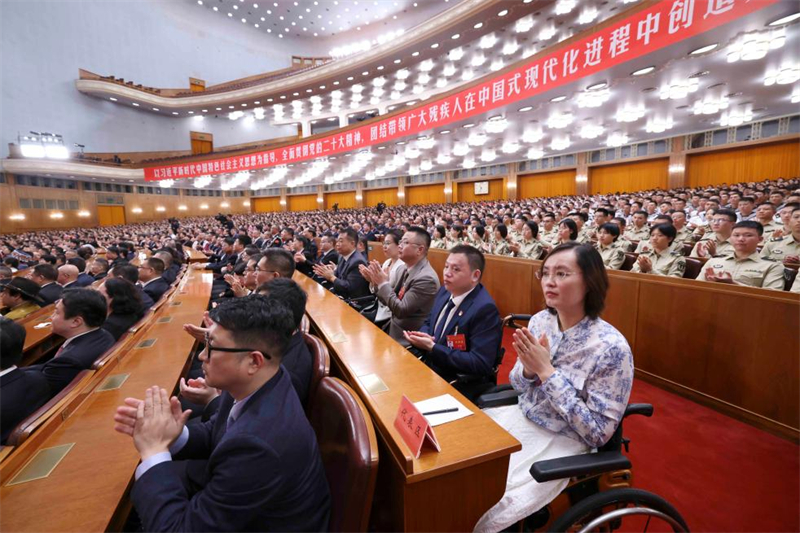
39 340
87 491
195 256
447 491
731 348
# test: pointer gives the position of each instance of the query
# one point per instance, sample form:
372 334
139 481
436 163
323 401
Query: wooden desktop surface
195 256
728 347
445 491
88 487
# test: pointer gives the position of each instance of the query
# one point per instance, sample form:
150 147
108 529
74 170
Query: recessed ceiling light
558 99
643 71
444 132
174 112
350 78
380 67
400 143
456 36
415 54
597 86
699 74
525 109
468 126
703 49
397 61
478 26
156 109
503 13
113 99
785 20
135 104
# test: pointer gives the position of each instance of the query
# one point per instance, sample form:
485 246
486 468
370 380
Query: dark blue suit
23 393
156 288
147 302
478 319
263 473
349 281
50 293
79 354
84 280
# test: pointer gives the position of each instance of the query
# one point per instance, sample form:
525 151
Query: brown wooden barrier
734 349
446 491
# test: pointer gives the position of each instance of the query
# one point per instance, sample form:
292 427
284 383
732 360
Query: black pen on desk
441 411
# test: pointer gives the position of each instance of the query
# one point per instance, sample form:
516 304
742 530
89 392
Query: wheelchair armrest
579 465
644 409
497 399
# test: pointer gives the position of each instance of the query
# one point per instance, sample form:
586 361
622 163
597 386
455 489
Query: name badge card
457 342
414 427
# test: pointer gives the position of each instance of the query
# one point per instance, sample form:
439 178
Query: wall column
343 120
448 187
401 191
359 194
284 200
582 174
306 128
677 164
511 182
321 197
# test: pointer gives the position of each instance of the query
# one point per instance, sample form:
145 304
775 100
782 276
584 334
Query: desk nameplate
113 382
147 343
42 464
373 383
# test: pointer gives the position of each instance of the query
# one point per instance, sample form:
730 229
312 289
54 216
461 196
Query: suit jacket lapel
461 311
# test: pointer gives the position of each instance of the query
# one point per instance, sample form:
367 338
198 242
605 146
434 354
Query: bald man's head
67 274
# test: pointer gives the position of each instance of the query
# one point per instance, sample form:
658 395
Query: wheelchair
599 496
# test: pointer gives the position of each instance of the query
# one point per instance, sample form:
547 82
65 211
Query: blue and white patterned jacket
586 396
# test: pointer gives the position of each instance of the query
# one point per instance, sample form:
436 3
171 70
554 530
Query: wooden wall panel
267 205
345 199
374 196
755 163
303 202
110 215
627 177
425 194
465 192
546 184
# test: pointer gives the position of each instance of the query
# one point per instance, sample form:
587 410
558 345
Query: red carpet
721 474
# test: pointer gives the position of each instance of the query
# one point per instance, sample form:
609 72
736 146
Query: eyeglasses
558 276
210 348
264 270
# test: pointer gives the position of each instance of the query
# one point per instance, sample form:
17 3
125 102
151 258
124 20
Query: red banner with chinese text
663 24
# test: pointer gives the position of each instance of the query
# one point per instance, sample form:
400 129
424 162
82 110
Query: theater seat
321 365
60 403
687 249
693 268
305 324
789 275
349 451
630 259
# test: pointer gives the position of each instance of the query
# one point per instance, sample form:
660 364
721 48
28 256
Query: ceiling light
616 139
488 155
785 75
592 97
756 45
455 36
460 149
478 26
532 136
547 33
496 124
679 89
456 54
400 85
427 65
443 159
449 69
588 15
558 99
565 6
510 147
630 114
425 165
467 75
156 109
703 49
643 71
503 13
488 41
534 153
710 105
591 131
113 99
468 163
477 139
402 74
468 125
510 48
477 60
785 20
560 120
423 79
560 143
656 125
496 65
524 24
525 109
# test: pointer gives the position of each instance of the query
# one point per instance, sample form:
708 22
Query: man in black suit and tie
78 318
150 277
84 279
45 275
346 279
23 392
328 254
234 472
68 276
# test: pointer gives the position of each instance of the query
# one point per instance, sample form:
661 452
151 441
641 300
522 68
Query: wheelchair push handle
644 409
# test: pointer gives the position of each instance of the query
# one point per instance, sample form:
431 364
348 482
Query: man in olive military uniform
548 233
716 243
515 231
744 266
765 215
584 236
684 236
785 249
639 230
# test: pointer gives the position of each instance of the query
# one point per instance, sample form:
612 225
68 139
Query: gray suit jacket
409 313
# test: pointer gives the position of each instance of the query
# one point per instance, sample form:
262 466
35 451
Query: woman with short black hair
124 306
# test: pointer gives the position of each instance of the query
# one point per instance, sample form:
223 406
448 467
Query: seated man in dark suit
99 268
171 268
463 332
45 275
150 277
78 318
22 392
345 278
84 279
327 251
235 472
130 272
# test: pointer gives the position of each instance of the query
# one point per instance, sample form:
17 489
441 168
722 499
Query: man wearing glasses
717 242
255 465
345 277
150 276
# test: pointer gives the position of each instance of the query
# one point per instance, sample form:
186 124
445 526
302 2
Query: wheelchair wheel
606 511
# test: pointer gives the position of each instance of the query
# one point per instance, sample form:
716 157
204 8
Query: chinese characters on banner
644 32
